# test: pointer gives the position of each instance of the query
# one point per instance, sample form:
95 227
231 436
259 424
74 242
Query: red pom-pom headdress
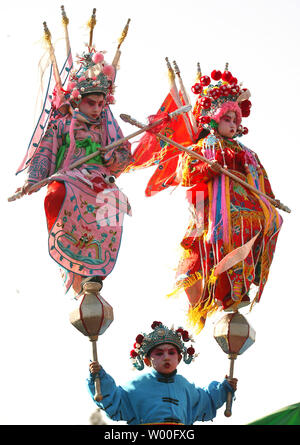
215 99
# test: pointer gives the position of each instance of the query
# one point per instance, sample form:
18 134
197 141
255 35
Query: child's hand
215 166
24 189
94 367
232 382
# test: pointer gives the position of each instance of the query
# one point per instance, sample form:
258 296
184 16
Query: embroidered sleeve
42 163
195 171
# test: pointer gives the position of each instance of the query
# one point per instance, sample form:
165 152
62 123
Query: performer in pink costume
84 207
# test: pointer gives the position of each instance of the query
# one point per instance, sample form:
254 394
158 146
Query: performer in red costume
230 242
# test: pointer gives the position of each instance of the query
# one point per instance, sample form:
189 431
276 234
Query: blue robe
159 398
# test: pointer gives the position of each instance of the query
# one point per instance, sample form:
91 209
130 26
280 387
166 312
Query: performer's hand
94 367
24 189
278 203
232 382
215 166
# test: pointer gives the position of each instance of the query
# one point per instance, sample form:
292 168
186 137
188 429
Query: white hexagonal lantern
234 334
93 315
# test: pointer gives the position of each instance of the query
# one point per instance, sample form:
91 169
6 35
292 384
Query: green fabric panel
88 144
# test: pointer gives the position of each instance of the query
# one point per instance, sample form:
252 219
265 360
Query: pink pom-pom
75 94
71 85
98 57
109 71
81 79
110 99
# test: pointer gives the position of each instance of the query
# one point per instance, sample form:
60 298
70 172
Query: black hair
203 133
94 94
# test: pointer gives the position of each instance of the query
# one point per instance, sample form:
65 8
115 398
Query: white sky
44 360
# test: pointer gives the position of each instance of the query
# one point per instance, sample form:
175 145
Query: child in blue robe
161 396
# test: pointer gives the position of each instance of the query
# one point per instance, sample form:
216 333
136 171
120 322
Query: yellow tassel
92 22
268 214
199 74
47 38
252 304
184 284
47 34
254 301
197 315
195 320
210 287
212 278
250 179
171 73
65 20
265 210
124 33
186 180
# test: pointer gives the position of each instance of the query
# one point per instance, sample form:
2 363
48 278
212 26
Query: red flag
153 151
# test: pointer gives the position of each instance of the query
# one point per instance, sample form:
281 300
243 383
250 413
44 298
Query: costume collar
84 118
164 376
230 140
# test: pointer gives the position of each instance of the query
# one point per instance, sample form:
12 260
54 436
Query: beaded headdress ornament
211 97
94 75
144 343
